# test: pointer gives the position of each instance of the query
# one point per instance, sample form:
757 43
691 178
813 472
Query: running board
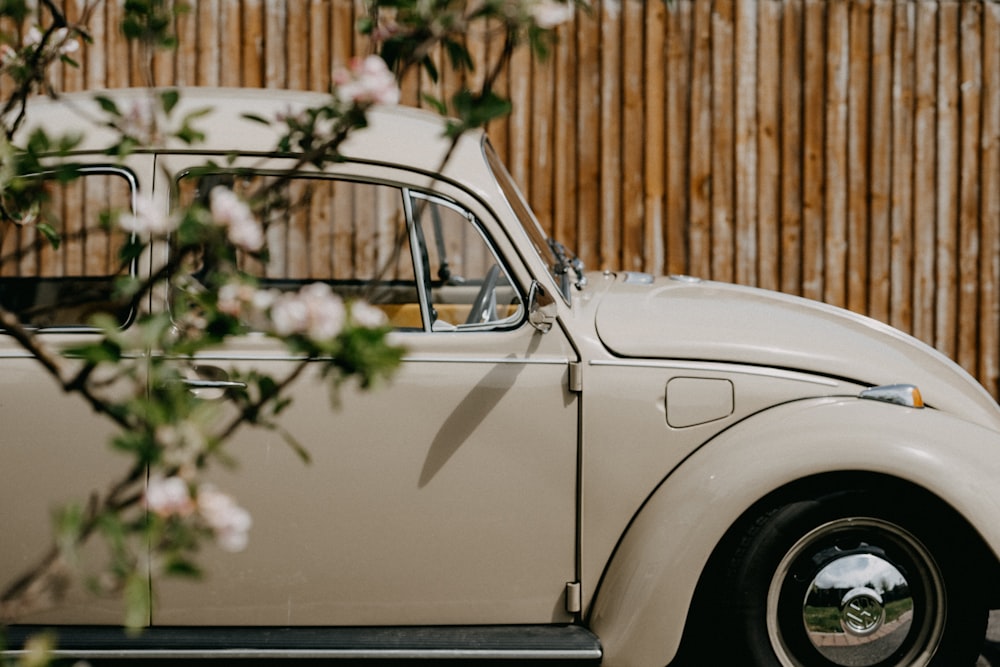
558 643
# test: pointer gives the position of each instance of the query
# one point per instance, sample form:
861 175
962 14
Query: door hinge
574 601
575 376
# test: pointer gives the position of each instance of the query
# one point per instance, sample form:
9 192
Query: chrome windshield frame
543 245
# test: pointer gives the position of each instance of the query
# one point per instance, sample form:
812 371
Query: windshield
551 252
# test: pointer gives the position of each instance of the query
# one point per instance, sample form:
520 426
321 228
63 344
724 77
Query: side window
468 287
66 286
420 259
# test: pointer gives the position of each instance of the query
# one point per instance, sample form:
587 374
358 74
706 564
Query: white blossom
262 300
168 496
549 14
363 314
314 311
66 44
366 81
148 219
33 36
230 522
59 42
289 315
231 212
326 311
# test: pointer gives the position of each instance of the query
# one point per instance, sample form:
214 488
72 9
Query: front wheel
846 580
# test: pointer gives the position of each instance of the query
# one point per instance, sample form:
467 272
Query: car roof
399 135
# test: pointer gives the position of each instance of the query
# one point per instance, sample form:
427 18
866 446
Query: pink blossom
7 54
168 496
230 522
141 122
231 212
231 298
366 81
247 303
148 220
385 30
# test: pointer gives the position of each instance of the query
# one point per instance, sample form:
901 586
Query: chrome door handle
210 383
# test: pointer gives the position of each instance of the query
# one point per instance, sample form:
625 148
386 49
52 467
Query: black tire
853 579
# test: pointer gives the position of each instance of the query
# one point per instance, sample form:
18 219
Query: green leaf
38 142
67 143
295 445
131 250
459 56
107 104
437 104
138 601
197 113
50 234
68 522
189 135
430 68
15 9
105 351
169 99
181 567
476 110
256 118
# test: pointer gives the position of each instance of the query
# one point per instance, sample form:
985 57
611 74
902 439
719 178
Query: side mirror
541 308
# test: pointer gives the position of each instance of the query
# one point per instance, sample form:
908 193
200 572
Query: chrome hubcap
864 591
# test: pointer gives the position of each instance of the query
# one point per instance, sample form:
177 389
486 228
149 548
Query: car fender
643 599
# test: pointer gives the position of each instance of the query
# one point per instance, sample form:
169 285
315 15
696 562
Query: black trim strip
522 642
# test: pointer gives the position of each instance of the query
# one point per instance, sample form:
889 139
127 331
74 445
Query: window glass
468 286
420 259
350 235
66 286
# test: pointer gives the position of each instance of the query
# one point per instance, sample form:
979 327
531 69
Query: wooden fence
844 150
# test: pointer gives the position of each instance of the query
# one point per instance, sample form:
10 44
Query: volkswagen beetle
604 467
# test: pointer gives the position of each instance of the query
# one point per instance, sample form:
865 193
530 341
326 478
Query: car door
54 450
445 496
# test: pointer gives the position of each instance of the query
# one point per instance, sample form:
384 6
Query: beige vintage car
609 468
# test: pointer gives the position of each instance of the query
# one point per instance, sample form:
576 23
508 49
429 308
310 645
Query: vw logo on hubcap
861 612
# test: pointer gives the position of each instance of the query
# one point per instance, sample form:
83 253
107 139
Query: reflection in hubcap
858 609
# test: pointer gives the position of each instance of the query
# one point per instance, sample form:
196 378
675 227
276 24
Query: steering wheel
484 308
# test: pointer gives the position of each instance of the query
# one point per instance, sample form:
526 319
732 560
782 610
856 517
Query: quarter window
66 286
